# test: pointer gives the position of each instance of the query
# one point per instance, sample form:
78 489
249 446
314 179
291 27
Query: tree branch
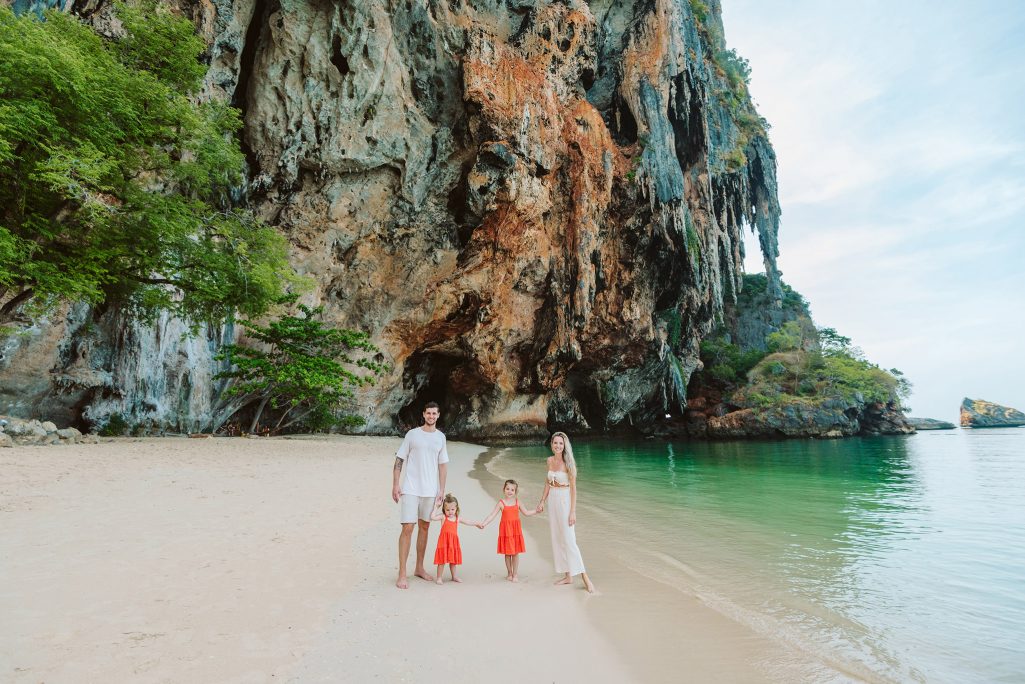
17 300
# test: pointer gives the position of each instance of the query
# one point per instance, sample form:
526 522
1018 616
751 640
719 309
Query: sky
899 130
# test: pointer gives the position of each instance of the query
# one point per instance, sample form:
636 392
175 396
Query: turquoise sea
892 558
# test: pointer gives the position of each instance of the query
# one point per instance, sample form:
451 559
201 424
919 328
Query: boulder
930 424
19 428
49 427
977 413
69 434
5 440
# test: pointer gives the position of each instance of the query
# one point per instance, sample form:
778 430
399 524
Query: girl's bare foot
437 581
514 578
508 578
565 580
456 579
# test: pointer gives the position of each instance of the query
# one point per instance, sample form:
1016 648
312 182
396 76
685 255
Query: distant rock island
930 424
976 413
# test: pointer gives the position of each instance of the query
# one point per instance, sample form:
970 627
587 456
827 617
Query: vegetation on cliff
801 367
115 183
303 370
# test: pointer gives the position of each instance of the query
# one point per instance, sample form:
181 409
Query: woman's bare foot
423 574
508 578
437 581
514 578
589 585
402 583
456 579
565 580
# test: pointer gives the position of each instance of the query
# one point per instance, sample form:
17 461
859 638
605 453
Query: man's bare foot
437 581
564 580
422 574
456 579
402 583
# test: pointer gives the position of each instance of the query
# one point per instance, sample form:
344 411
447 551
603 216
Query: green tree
114 183
791 337
726 361
833 343
903 387
304 370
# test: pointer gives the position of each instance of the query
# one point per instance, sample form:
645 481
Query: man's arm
396 473
442 475
400 456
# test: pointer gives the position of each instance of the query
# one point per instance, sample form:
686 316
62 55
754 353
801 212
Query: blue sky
899 129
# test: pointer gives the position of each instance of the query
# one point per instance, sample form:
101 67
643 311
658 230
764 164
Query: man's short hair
432 404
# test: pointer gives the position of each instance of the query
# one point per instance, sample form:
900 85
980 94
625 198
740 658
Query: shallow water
896 559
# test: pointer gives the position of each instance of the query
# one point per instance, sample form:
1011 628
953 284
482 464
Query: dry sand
235 560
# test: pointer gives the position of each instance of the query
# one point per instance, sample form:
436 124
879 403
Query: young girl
448 550
510 533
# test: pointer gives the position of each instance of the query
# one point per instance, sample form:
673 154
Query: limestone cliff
534 207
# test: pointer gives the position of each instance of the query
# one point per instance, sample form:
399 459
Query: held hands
540 507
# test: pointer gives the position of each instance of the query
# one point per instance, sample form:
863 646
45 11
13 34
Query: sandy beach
235 560
232 560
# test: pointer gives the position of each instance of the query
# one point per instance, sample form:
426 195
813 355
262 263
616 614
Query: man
424 453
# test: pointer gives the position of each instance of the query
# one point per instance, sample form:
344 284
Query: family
424 454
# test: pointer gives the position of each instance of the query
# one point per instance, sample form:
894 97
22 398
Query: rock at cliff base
19 428
5 440
69 434
49 426
930 424
976 413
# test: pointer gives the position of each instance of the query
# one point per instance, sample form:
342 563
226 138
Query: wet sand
664 633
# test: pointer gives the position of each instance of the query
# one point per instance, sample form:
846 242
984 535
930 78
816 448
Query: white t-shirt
423 452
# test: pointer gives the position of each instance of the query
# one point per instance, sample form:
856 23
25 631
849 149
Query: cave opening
587 78
427 375
626 125
337 58
247 61
457 206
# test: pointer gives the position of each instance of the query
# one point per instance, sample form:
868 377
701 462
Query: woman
561 484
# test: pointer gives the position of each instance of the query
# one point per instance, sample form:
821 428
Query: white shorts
412 507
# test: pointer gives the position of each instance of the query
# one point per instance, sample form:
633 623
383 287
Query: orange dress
510 532
448 550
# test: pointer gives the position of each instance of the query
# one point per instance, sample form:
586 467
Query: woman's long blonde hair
567 453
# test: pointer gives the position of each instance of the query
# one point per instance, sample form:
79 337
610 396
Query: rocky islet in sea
978 413
930 424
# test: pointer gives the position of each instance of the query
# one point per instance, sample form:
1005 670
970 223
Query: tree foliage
726 361
754 293
792 336
114 183
304 370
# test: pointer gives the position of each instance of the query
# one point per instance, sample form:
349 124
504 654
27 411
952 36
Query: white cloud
902 182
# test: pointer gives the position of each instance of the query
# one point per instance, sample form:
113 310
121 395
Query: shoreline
274 560
680 631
